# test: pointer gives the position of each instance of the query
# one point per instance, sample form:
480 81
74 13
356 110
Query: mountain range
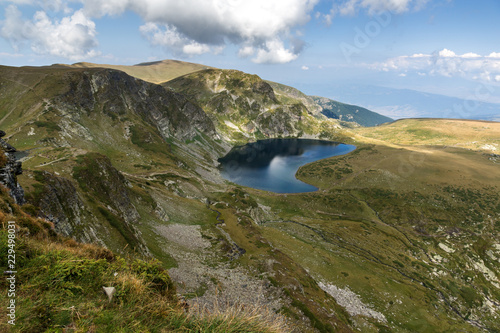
405 103
402 235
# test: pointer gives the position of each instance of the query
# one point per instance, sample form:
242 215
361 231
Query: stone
109 291
9 172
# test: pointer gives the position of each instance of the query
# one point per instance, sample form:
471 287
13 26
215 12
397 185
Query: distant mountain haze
405 103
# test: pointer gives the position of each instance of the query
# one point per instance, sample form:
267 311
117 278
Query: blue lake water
271 165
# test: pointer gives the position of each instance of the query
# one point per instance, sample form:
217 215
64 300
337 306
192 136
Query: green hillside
243 106
402 235
154 72
347 112
59 287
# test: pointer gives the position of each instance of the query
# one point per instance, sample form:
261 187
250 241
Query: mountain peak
154 72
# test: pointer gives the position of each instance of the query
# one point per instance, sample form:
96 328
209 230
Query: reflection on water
271 165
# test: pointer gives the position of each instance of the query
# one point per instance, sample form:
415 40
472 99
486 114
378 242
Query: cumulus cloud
445 63
72 37
445 53
246 51
274 52
261 28
168 36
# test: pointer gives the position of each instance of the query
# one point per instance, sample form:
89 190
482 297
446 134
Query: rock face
9 169
248 103
115 94
99 201
59 202
97 176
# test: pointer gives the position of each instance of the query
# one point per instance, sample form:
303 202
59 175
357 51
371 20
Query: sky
449 47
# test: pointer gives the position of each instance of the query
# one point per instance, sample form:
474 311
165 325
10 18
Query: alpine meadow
174 196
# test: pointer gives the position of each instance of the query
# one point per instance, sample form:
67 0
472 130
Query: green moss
146 167
120 225
315 322
50 126
148 140
470 296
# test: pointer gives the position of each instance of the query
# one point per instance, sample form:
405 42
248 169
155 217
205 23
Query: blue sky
450 47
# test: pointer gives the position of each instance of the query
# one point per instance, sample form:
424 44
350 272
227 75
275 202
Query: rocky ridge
9 171
245 106
115 94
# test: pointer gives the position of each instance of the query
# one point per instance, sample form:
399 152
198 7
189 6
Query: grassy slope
374 227
59 287
154 72
348 112
161 177
384 219
468 134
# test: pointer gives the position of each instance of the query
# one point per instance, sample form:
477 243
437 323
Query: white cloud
246 51
352 7
445 63
169 37
20 2
447 53
494 55
305 68
471 55
349 7
72 37
195 48
328 19
274 52
266 26
45 5
11 55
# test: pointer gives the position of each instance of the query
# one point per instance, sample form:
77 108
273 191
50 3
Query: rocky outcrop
88 211
109 191
249 103
59 202
281 122
9 169
289 92
116 94
263 88
97 176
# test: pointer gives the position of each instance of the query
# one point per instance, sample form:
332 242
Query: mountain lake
271 165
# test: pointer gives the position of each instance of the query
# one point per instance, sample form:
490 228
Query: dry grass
470 134
258 316
132 283
155 72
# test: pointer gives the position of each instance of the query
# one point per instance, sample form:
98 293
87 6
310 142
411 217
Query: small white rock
110 291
